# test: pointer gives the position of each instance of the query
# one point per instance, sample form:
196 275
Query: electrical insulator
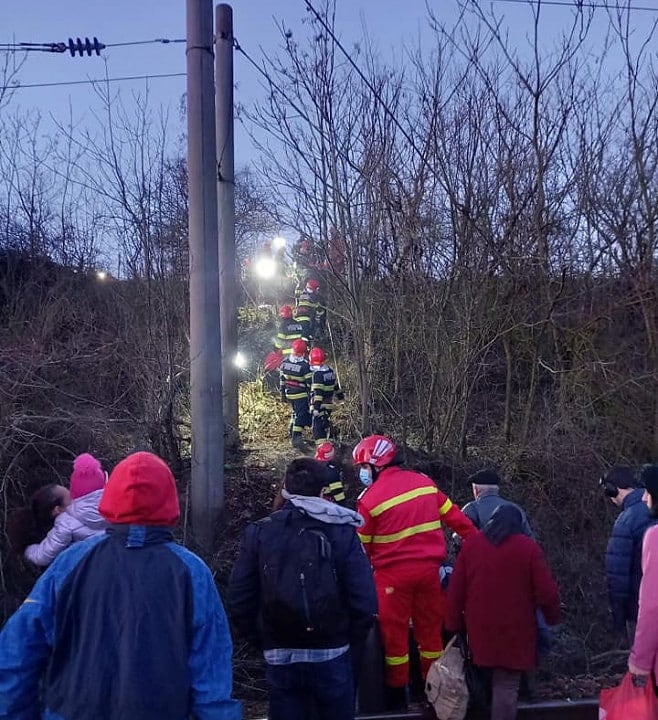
88 46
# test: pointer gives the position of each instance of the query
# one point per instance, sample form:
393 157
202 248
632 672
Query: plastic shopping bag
445 686
628 702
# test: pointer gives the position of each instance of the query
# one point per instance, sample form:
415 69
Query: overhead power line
581 5
79 46
92 81
367 82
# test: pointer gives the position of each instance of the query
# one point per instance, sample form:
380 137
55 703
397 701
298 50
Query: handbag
629 702
445 685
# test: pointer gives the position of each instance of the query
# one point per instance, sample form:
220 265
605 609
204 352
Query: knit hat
141 491
648 477
484 477
87 476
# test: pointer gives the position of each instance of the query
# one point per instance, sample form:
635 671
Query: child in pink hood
643 659
77 516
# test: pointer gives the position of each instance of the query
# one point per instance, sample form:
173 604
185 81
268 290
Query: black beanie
648 477
484 477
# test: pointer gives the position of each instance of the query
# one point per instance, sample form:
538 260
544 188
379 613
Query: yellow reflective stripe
445 507
364 538
399 499
339 496
396 660
335 486
430 655
407 532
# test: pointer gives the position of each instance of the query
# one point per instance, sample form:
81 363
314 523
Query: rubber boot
396 698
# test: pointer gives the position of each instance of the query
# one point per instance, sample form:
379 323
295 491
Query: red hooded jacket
141 491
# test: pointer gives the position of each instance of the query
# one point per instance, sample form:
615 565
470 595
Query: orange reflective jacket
403 512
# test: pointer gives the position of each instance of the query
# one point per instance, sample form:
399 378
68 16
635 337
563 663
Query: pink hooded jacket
644 654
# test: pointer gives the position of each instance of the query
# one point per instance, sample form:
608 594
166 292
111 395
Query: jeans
323 690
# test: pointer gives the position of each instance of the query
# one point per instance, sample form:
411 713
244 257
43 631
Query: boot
395 698
298 442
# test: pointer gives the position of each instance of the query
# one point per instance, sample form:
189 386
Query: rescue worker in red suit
402 535
326 453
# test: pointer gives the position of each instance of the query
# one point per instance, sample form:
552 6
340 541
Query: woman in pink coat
643 659
499 582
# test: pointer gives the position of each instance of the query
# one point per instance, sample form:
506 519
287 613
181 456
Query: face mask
365 477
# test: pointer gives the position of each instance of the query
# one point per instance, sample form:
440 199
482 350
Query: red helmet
312 285
377 450
316 356
325 452
299 348
285 311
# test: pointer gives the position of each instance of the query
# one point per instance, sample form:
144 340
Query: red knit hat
87 476
141 491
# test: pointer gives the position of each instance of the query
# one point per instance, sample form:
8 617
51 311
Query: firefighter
403 512
289 331
313 307
326 453
301 317
323 387
295 387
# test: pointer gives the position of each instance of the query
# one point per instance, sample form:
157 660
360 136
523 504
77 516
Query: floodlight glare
278 243
240 360
265 268
101 274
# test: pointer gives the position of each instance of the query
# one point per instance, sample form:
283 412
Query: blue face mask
365 477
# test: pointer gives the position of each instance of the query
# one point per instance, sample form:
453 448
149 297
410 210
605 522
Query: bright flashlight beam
265 268
240 360
278 243
101 274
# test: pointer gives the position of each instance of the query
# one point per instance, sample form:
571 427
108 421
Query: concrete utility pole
205 346
226 217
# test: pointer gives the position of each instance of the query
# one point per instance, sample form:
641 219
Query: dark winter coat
494 593
353 573
623 559
479 511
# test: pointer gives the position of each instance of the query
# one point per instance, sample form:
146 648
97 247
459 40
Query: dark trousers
301 417
504 693
307 690
321 426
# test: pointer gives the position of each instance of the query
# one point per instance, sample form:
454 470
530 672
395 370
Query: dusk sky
391 26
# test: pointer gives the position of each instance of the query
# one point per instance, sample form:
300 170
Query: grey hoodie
324 510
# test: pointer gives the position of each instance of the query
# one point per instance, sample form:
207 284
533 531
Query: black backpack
302 603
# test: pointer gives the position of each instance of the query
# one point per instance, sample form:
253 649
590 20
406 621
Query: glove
316 413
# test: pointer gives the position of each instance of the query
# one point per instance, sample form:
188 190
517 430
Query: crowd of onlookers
125 623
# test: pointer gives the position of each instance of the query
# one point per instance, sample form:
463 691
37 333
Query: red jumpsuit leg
427 613
395 602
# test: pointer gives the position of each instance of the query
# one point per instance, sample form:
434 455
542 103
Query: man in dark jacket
305 627
123 625
485 485
623 557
